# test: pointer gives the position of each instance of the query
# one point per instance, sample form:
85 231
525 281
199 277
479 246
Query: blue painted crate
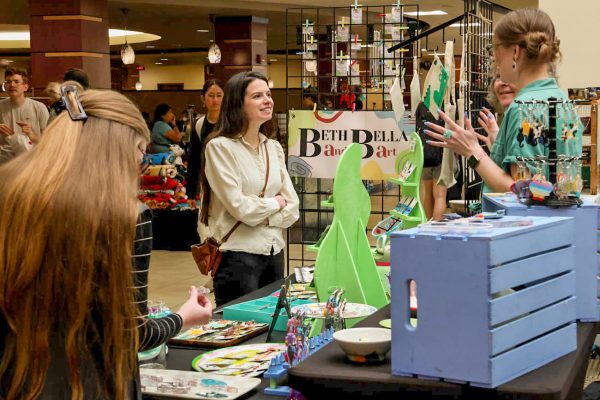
587 243
469 329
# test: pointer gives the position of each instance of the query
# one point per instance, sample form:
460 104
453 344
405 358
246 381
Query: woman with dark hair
500 95
72 302
525 47
212 95
238 160
164 131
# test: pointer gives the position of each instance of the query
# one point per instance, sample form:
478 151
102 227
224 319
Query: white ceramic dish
364 344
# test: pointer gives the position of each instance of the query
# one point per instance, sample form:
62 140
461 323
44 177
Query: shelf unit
588 113
411 186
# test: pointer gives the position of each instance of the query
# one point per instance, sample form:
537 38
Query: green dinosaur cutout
344 258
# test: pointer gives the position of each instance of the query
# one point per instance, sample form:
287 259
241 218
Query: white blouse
236 174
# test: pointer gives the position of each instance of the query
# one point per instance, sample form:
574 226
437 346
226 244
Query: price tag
396 14
356 15
343 33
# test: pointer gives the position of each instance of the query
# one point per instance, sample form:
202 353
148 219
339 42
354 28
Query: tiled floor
171 275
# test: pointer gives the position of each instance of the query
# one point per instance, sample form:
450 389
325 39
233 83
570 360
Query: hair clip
71 100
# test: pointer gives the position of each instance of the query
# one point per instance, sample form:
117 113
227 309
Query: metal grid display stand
313 48
477 31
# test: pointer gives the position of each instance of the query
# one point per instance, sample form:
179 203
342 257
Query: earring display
548 127
343 53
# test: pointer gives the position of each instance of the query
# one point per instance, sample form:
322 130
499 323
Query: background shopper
232 177
164 131
212 96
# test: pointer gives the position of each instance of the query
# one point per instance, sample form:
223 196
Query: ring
448 134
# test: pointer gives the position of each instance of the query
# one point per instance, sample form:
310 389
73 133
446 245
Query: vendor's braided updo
533 30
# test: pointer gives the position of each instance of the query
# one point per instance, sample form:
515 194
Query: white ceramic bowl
364 344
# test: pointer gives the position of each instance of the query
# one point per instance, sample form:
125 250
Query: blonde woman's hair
68 212
533 30
53 91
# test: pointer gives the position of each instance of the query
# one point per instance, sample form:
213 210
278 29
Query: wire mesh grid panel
477 31
338 57
337 60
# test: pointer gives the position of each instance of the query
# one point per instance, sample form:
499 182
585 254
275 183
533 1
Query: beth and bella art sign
317 139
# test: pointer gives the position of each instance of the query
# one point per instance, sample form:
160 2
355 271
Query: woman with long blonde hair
68 212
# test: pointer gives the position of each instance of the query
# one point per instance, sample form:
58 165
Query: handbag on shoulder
207 254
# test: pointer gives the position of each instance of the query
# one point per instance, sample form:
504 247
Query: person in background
500 95
524 45
73 303
164 131
78 75
56 103
327 102
22 119
233 173
310 101
212 95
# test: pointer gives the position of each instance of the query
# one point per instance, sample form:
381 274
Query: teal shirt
507 146
160 143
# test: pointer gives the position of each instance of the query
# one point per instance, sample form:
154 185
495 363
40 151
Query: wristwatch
473 160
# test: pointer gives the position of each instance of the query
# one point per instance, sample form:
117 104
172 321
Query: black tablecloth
180 358
328 373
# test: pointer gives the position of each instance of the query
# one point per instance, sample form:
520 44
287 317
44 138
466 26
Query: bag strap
262 194
195 122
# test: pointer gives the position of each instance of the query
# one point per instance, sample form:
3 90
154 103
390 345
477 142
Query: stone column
66 34
243 44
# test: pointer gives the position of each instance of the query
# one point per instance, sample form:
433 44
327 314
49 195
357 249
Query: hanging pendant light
127 53
214 52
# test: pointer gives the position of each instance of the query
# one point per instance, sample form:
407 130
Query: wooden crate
587 223
466 331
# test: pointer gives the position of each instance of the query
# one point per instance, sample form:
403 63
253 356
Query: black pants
241 273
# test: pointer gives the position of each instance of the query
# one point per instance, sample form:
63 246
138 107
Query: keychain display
539 187
569 121
533 127
557 180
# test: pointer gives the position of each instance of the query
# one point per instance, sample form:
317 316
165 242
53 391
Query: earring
514 65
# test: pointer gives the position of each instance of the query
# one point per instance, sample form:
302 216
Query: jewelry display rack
553 158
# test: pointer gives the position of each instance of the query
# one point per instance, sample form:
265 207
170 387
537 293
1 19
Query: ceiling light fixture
462 24
127 53
202 30
214 52
425 13
158 63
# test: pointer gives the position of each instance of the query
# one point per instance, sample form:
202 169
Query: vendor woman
164 131
524 44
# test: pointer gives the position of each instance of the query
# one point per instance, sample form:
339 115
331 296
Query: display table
180 358
327 373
